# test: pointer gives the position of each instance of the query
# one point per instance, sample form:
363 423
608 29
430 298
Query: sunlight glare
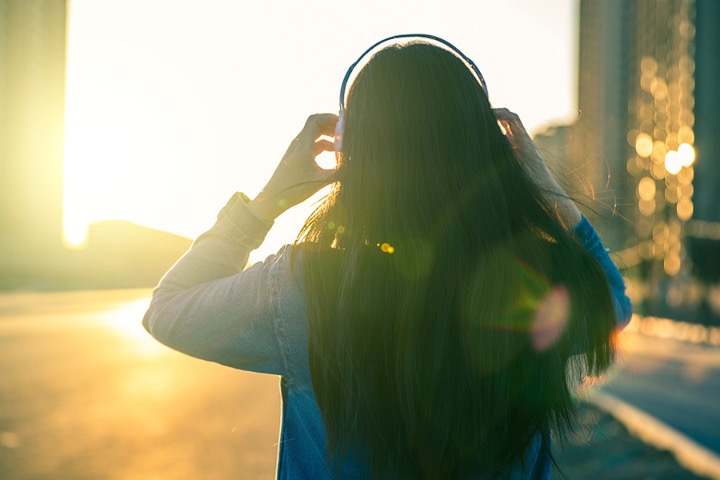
326 160
126 320
161 122
75 232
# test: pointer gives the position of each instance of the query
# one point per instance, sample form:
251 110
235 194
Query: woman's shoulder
294 258
313 257
296 267
314 248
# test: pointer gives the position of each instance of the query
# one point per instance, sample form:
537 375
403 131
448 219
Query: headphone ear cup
339 131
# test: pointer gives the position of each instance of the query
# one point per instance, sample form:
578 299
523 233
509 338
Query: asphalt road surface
85 393
676 382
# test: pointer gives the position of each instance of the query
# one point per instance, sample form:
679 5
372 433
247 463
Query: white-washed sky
173 105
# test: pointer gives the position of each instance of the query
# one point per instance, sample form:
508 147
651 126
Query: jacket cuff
584 230
237 222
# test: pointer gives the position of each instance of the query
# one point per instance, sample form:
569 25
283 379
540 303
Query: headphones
341 115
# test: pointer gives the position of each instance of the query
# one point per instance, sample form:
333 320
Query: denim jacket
255 319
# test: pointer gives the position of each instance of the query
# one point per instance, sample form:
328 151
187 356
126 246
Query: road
676 382
85 393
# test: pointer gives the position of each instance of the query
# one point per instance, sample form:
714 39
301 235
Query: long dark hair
428 262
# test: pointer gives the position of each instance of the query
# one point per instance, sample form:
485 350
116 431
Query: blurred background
126 125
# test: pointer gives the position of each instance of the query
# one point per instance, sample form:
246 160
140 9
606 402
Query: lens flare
550 320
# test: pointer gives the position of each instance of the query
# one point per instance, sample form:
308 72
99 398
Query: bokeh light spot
685 209
387 248
671 264
686 134
644 145
646 188
687 154
647 207
673 162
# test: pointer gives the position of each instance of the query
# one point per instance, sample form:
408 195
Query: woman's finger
506 115
510 121
505 126
317 125
326 176
322 145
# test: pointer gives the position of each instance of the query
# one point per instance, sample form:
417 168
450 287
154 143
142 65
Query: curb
689 454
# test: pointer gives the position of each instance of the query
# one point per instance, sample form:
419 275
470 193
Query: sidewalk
602 448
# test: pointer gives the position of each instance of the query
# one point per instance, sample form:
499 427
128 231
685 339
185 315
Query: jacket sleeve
208 307
589 238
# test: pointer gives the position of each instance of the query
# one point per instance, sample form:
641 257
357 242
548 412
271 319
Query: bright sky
173 105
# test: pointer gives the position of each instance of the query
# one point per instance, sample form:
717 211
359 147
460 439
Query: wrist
266 209
565 208
568 212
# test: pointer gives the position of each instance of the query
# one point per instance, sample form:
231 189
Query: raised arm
526 150
206 305
530 158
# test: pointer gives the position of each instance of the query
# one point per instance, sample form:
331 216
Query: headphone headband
452 48
341 114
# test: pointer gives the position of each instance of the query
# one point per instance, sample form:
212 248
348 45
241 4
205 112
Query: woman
424 322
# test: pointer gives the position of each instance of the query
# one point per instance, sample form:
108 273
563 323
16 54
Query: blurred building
32 108
661 129
704 229
646 141
553 143
646 145
597 144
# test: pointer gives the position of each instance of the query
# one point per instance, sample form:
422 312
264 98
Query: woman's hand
530 158
525 150
297 176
